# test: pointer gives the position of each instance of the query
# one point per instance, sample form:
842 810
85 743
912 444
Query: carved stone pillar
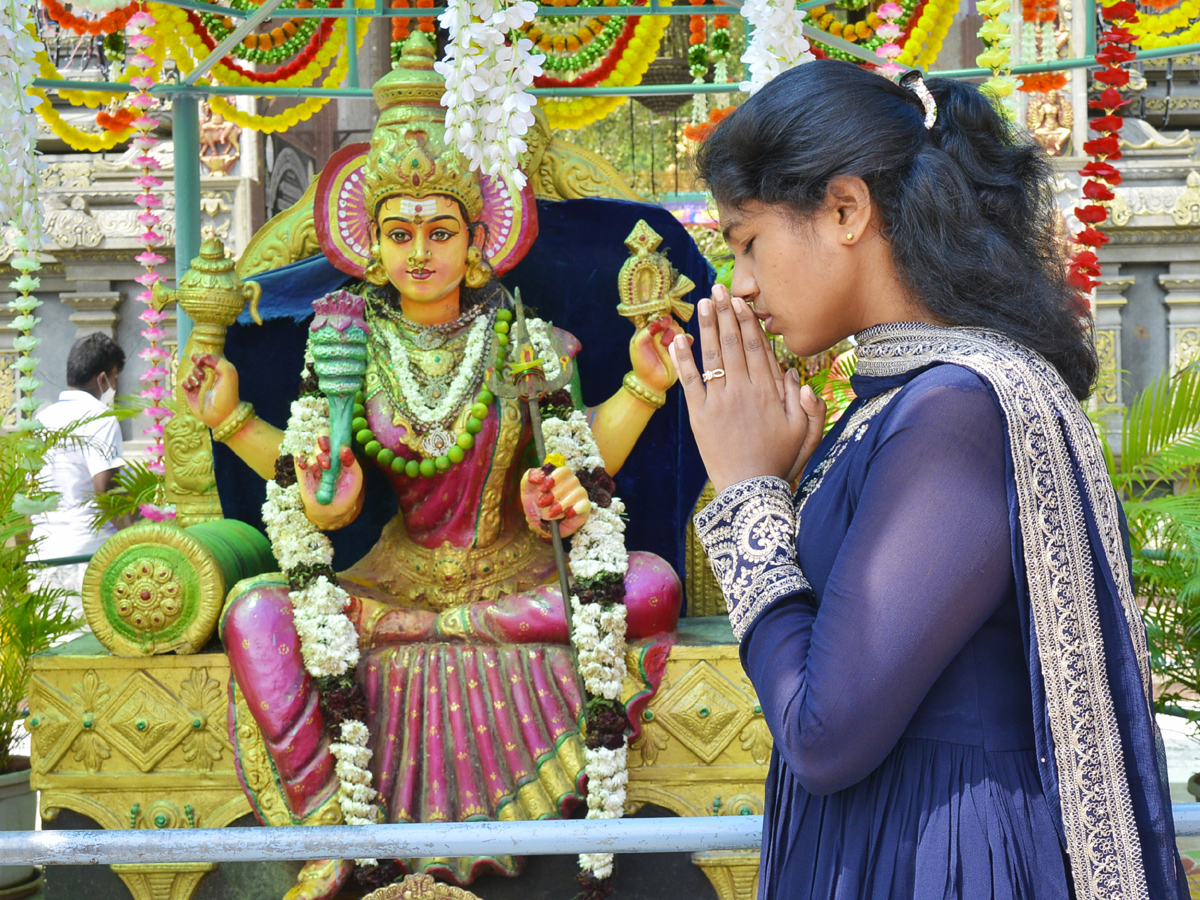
95 311
1183 312
1110 304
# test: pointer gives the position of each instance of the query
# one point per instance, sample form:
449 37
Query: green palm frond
1160 439
132 486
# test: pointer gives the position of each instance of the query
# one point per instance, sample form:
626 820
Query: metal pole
219 51
1089 21
351 55
186 124
431 839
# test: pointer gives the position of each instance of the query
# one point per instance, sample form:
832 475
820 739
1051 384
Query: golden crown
409 156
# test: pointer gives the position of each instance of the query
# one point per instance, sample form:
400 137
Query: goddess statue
471 693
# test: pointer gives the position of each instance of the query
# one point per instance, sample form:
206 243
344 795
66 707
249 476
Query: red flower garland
107 24
1102 176
594 76
320 36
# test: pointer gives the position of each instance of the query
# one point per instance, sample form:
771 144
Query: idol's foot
321 880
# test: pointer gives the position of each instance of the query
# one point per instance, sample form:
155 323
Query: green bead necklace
427 468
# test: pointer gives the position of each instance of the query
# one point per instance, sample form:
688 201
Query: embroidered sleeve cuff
749 534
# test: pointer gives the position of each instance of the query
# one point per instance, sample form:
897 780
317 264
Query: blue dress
887 644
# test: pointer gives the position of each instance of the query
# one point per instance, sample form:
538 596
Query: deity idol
471 693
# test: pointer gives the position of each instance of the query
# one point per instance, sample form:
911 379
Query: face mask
109 394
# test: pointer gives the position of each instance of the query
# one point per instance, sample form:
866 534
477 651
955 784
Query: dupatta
1100 754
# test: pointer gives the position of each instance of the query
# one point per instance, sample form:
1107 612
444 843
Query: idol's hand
347 494
558 495
752 420
211 389
648 353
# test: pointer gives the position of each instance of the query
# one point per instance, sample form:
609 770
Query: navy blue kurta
895 682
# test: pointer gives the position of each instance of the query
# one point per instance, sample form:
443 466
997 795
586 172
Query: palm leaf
1161 434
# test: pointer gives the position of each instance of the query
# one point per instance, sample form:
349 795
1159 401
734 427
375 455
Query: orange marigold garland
401 25
1038 43
1102 176
109 23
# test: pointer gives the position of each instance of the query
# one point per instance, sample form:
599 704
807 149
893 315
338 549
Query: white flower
777 43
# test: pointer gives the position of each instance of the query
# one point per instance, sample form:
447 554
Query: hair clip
915 83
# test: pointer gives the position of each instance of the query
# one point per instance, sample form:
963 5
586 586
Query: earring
479 272
849 235
375 272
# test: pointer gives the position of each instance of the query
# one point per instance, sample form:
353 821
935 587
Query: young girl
939 622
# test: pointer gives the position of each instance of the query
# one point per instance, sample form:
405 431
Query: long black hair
967 206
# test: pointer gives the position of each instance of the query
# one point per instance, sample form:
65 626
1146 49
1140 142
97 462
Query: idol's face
423 245
794 273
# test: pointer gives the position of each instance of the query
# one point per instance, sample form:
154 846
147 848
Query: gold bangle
647 395
234 422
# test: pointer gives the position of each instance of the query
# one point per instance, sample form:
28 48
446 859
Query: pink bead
148 219
140 41
142 61
148 181
148 279
150 258
150 316
142 19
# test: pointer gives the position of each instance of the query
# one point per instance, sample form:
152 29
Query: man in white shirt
79 471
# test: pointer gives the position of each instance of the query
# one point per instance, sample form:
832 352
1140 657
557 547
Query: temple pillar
1182 285
1110 304
95 308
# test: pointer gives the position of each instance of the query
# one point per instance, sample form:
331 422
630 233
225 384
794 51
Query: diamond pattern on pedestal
703 711
140 722
52 722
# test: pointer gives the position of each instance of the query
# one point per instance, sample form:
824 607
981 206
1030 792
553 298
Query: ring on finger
710 374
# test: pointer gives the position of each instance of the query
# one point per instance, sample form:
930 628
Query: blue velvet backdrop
569 277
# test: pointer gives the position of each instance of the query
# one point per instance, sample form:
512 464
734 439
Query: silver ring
712 373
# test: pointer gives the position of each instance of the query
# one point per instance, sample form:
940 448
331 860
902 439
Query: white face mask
109 394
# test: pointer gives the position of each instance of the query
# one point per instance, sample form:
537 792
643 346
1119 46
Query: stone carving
220 141
420 887
1187 347
71 226
1050 118
704 711
66 175
1186 210
1106 350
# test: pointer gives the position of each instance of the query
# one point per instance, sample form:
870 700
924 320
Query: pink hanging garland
154 379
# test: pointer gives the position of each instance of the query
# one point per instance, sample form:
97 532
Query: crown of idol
409 155
409 165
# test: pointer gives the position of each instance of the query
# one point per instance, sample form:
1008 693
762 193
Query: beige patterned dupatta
1098 744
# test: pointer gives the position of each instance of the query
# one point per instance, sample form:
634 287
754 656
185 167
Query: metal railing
458 839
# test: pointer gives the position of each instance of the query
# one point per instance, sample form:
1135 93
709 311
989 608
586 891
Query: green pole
351 55
186 109
1089 35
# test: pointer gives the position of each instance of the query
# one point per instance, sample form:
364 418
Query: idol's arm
619 421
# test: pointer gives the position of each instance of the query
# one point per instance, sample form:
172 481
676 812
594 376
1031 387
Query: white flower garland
18 125
597 548
777 43
488 105
541 336
477 344
328 639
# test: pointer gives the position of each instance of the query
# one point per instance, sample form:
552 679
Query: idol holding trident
464 681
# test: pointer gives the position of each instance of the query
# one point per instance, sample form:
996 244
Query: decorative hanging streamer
1102 176
889 30
778 41
698 63
112 21
489 68
996 34
1038 42
154 378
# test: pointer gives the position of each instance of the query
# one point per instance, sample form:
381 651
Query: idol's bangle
234 422
647 395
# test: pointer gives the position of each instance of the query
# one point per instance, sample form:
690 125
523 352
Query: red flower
1102 170
1091 215
1097 190
1106 146
1091 237
1110 100
1106 123
1114 54
1081 282
1121 12
1114 77
1116 35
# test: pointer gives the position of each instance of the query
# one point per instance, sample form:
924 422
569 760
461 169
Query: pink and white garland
890 32
154 379
777 42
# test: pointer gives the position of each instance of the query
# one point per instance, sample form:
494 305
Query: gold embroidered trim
749 534
1048 433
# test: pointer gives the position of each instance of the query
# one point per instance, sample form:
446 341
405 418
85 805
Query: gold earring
479 272
375 272
849 235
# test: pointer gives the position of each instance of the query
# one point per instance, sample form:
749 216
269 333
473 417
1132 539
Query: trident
529 386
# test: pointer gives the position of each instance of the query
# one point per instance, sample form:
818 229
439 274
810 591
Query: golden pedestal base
143 743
